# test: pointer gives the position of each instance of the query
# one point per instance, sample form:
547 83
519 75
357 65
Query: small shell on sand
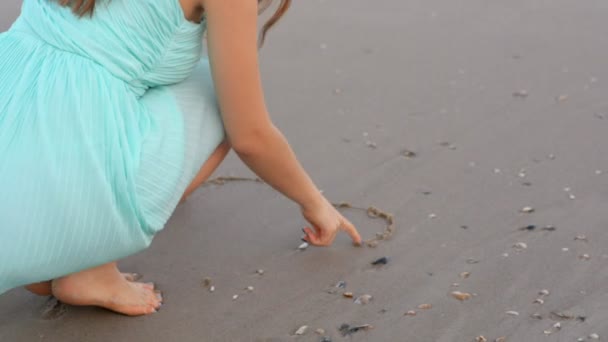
250 288
303 246
465 275
527 210
410 313
512 313
581 237
211 288
235 297
584 257
320 331
543 292
594 336
348 294
424 306
260 271
301 330
364 299
462 296
520 245
539 301
481 338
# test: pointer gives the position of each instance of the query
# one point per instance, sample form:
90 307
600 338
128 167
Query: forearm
273 160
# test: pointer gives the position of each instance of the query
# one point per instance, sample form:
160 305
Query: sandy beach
478 124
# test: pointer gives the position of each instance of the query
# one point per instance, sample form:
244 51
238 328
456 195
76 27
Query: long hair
87 7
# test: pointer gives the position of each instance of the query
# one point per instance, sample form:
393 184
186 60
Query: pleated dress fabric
104 121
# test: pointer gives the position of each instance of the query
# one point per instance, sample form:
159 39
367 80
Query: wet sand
434 77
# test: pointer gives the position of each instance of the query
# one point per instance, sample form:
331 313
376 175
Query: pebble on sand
260 271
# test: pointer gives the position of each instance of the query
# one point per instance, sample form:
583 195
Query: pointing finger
350 229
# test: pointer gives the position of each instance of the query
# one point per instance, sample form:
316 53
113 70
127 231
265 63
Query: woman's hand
326 222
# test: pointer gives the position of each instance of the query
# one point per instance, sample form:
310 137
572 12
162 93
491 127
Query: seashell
481 338
547 332
250 288
211 288
301 330
527 210
512 313
364 299
348 294
522 93
543 292
594 336
380 261
424 306
562 315
565 249
260 271
410 313
539 301
557 325
408 153
581 238
320 331
465 275
462 296
520 245
303 246
584 257
235 297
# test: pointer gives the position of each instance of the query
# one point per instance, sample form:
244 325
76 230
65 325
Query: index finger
350 229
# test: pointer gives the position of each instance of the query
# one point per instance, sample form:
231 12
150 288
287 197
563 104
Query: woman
108 118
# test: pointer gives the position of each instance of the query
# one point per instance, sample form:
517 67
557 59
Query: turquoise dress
104 121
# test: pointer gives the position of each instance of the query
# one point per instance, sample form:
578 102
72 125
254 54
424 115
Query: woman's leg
207 169
105 286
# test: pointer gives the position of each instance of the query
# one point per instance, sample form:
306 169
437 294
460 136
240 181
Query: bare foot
44 288
106 287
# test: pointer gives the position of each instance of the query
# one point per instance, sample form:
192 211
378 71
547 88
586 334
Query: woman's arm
232 43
